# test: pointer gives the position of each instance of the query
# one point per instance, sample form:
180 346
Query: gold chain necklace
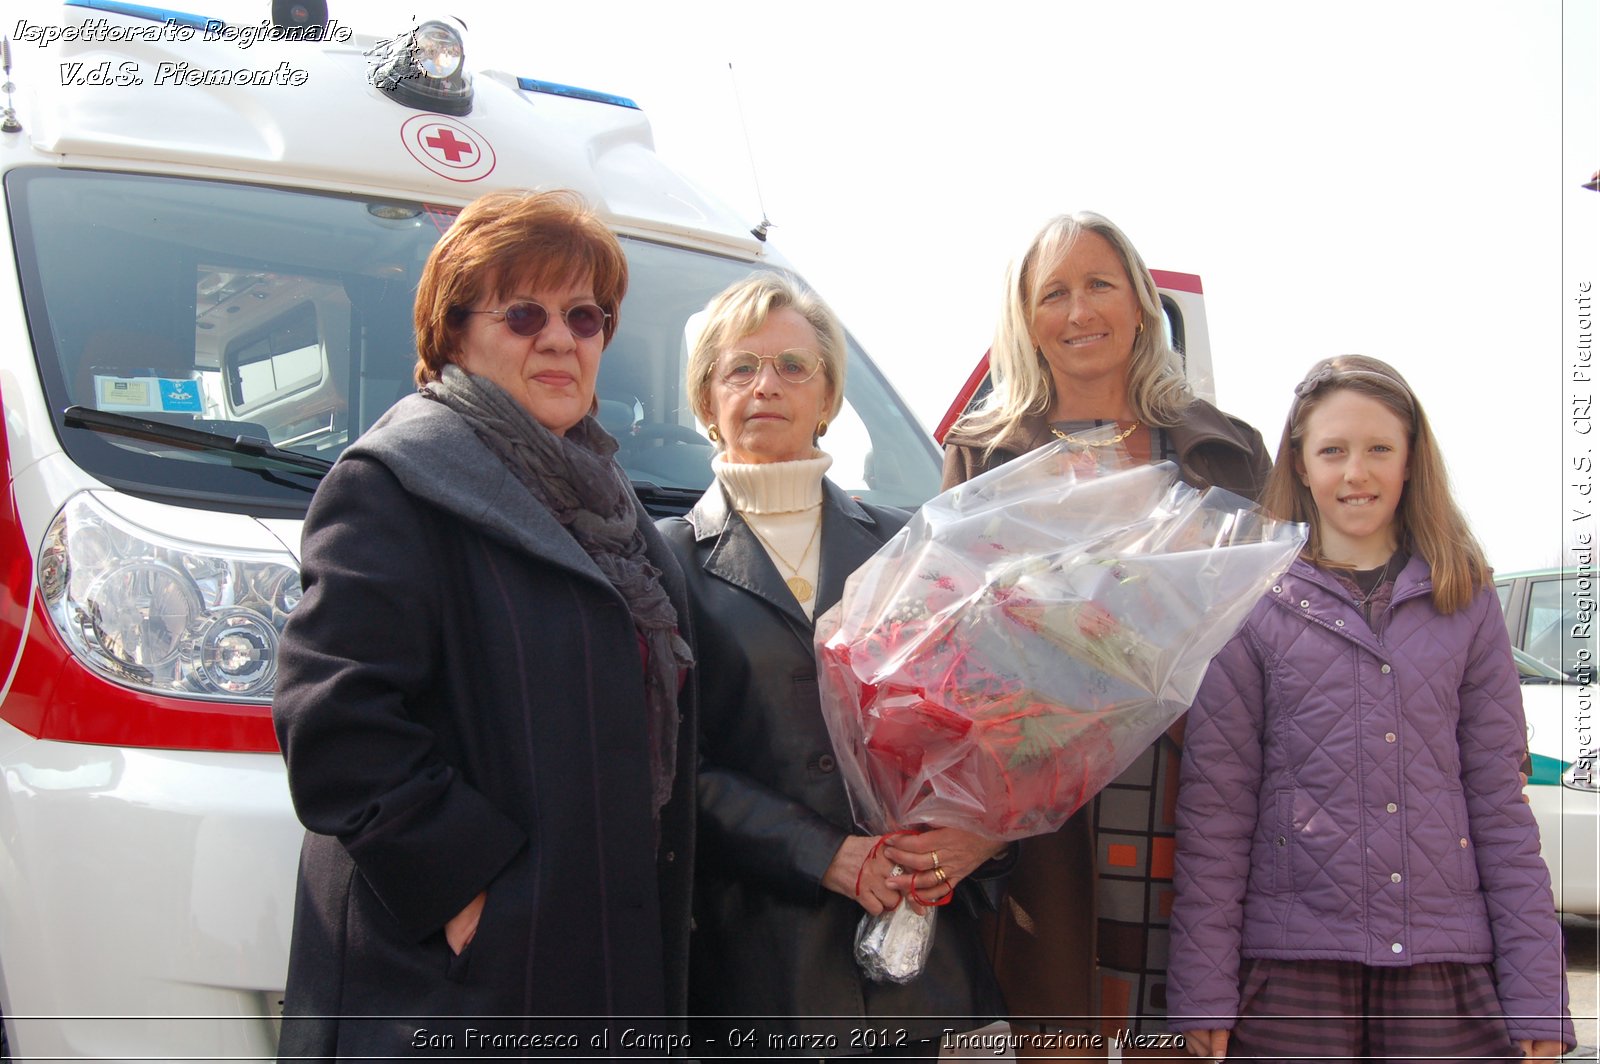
798 585
1112 442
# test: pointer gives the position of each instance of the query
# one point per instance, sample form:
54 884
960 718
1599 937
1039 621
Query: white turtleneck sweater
782 502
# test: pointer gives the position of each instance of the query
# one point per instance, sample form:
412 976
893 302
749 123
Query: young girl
1357 872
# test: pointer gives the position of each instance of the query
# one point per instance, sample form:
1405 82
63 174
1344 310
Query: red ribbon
914 896
874 852
930 904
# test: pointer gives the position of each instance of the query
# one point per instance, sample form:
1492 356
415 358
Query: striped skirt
1343 1010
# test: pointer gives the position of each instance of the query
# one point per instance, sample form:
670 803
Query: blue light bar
154 14
575 93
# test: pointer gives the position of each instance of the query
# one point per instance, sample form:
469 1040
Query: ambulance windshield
287 316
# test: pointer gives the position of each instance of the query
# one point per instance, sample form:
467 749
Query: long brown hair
1427 520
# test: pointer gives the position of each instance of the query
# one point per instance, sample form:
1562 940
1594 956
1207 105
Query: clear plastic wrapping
1029 634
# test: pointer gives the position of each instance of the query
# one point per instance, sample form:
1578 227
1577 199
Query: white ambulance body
213 251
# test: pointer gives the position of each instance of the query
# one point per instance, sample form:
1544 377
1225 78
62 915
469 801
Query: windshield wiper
669 500
183 435
654 490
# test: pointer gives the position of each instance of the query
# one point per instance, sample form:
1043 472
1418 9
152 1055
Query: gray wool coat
461 707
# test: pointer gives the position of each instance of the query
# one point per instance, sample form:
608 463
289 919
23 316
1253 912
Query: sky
1398 179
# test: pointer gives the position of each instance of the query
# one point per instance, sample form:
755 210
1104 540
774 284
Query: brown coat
1042 943
1214 450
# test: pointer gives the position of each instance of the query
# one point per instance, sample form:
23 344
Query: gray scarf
577 479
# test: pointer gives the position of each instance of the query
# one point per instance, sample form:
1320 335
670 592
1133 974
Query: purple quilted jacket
1347 796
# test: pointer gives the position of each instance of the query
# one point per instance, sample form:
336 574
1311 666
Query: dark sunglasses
529 318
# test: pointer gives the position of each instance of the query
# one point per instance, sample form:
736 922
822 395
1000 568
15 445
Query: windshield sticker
147 394
449 148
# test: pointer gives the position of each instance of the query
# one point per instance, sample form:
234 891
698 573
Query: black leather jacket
769 940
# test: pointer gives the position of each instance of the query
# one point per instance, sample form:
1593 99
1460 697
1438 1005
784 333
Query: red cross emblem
450 148
445 141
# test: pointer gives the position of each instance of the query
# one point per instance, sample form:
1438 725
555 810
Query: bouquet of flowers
1025 638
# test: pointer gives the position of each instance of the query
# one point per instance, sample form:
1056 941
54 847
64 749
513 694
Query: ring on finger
937 871
935 855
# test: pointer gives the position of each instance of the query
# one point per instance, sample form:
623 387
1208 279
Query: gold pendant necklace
798 585
1112 442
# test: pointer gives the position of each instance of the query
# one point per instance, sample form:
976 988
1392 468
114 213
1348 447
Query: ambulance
214 233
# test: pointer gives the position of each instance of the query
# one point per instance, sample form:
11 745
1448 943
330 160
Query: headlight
159 613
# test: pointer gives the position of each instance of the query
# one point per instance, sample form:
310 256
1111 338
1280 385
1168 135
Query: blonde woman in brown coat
1079 944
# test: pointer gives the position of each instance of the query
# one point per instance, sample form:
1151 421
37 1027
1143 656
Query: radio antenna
8 117
760 231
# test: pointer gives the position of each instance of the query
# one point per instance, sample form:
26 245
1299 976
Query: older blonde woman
783 876
1081 934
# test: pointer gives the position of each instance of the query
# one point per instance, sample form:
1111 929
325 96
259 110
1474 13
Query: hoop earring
822 428
1140 330
716 436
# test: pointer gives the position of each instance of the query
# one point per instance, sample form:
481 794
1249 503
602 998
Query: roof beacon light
299 13
427 71
438 51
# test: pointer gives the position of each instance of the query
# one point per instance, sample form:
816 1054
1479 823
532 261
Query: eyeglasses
528 318
738 368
